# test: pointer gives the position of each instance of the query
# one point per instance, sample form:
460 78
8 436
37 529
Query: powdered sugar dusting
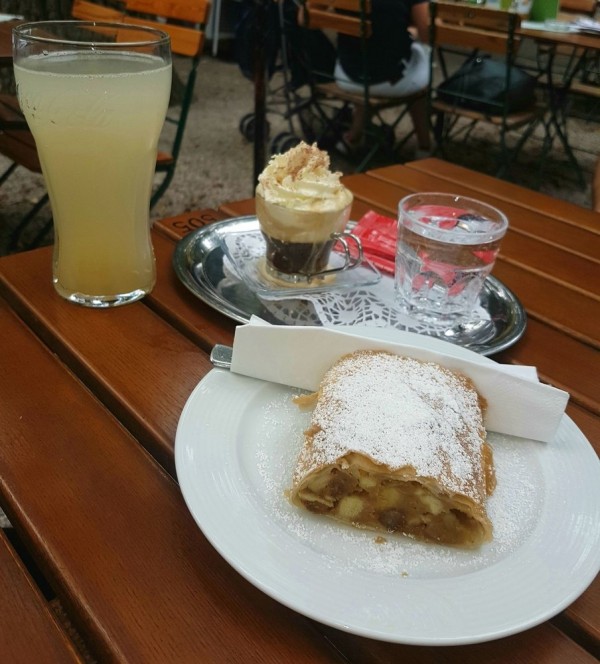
399 412
272 452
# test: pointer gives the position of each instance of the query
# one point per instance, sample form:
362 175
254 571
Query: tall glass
95 96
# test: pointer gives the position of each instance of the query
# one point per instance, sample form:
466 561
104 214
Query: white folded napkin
10 17
550 26
588 24
299 356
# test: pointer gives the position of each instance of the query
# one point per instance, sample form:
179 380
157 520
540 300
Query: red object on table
378 237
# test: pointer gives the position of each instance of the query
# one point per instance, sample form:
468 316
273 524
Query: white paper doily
370 305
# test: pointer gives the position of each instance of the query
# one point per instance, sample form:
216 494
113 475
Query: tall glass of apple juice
95 96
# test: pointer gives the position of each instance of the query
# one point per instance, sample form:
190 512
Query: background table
6 28
10 112
560 58
90 402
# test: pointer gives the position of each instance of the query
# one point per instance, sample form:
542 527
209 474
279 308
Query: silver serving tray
198 262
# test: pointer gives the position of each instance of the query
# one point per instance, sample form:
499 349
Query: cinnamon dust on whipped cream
301 179
300 206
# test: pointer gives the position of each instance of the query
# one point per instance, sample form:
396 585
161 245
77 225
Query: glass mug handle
350 260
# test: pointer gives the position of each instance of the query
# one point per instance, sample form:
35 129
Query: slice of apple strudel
397 445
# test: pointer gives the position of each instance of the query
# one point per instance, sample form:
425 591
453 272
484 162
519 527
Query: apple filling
383 503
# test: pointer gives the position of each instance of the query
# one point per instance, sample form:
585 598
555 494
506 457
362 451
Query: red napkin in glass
378 237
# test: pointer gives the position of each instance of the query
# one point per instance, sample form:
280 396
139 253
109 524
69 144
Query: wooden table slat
118 543
568 270
126 372
580 619
570 214
535 225
572 366
6 55
29 632
184 310
567 310
238 208
589 423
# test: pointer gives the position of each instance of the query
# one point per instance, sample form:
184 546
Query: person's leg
418 115
414 79
354 135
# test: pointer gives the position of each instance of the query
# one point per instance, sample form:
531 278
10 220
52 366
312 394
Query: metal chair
464 30
332 103
185 22
90 11
585 82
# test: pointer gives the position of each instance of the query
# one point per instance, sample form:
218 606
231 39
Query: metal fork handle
221 356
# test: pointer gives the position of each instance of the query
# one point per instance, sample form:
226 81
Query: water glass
447 245
95 96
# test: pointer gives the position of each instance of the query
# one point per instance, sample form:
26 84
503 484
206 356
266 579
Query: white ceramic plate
236 446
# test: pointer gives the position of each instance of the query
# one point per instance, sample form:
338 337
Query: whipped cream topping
301 179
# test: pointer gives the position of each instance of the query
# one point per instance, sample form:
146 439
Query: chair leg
18 231
437 127
40 235
333 125
164 185
367 158
546 147
511 156
7 173
504 156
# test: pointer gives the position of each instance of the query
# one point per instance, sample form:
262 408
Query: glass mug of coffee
299 243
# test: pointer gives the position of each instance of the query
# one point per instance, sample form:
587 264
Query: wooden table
582 40
572 49
90 402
